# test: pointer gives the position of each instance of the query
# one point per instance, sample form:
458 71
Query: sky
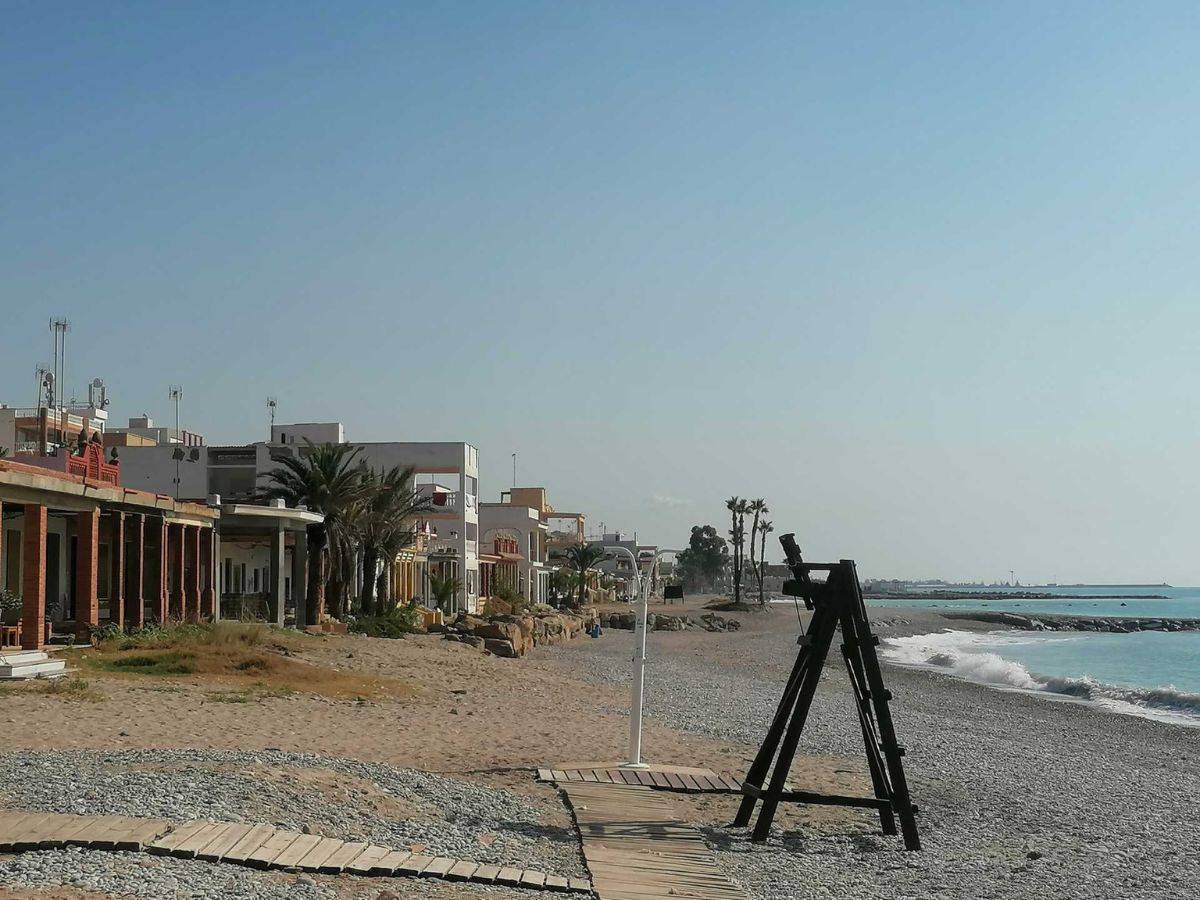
922 275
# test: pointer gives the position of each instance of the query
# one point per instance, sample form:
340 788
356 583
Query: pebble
226 786
1110 798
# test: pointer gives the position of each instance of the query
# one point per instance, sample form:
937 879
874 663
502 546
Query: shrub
395 624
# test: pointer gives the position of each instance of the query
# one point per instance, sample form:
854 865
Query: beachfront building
521 530
41 429
80 550
447 473
499 565
142 432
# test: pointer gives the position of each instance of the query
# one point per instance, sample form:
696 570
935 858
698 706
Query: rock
500 647
310 828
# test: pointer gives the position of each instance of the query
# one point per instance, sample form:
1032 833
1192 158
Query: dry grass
73 688
238 657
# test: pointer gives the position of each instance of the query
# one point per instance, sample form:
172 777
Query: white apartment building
448 472
523 524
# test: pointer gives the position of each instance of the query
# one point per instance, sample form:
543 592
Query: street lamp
639 653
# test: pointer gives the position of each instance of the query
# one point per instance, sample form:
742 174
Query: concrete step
17 657
31 668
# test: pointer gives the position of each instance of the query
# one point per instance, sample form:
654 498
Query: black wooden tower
835 601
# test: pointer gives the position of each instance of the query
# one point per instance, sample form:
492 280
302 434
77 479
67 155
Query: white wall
317 432
153 469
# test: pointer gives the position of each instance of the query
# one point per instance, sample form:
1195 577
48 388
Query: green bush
152 664
395 624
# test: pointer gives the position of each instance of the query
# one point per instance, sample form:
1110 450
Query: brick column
87 553
177 563
208 579
33 578
116 579
135 604
192 533
164 560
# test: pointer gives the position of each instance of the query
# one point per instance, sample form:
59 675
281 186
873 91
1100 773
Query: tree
702 565
383 523
444 589
737 537
582 558
325 479
764 528
759 508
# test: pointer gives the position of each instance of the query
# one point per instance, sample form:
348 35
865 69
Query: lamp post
639 654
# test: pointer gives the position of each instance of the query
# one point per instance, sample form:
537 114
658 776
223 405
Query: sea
1151 674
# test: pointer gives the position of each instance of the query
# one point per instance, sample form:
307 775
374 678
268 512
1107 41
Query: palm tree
582 558
737 536
764 528
444 589
325 479
383 522
759 508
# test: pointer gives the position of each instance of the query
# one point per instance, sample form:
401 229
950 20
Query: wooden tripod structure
836 601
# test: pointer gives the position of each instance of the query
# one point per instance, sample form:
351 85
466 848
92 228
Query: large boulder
499 647
518 637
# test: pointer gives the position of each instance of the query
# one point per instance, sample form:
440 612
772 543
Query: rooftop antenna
41 372
60 327
175 393
98 394
271 404
514 469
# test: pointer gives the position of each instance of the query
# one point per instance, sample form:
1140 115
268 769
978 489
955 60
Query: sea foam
973 657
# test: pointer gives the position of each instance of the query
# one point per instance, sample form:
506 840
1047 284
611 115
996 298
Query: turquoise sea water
1151 674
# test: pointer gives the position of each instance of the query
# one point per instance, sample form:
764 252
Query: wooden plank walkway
636 849
261 846
663 778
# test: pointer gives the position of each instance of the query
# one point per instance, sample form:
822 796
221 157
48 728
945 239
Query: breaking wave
964 655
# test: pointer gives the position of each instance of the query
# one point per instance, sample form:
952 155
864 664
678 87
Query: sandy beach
1020 796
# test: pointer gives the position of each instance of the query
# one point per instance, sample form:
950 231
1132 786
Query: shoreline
1001 596
1069 622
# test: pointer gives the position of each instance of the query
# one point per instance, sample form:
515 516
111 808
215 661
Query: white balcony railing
440 499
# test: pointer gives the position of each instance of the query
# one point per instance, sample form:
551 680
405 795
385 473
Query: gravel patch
166 878
449 816
1020 797
135 875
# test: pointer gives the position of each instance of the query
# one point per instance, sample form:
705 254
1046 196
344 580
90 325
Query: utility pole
271 404
175 394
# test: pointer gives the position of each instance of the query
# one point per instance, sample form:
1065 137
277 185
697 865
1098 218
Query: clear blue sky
924 275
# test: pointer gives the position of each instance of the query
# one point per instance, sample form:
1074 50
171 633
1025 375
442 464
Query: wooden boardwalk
637 850
260 846
663 778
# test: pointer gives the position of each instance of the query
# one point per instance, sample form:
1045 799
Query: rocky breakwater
659 622
515 635
1118 624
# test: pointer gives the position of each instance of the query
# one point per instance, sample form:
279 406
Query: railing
440 499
